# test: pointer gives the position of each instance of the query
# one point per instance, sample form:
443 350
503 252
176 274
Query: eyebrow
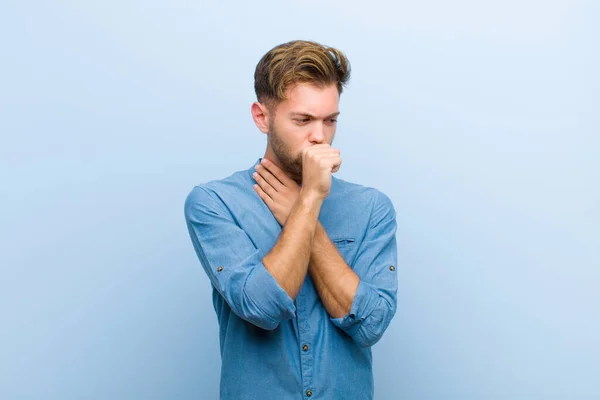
298 114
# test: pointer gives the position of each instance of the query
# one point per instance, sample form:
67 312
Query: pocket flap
343 241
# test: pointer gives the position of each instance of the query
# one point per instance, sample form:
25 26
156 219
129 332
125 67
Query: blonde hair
298 61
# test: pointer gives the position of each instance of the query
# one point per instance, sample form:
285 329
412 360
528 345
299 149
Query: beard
290 163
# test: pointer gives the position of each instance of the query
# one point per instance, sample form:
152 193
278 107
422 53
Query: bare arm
334 280
374 303
360 298
288 259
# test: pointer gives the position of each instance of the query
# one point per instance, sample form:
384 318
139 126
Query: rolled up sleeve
233 263
374 303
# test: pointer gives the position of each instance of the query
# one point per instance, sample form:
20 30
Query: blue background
480 120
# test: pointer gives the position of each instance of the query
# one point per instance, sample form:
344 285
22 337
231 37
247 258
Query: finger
269 177
336 168
317 148
323 149
335 162
264 185
331 159
322 146
278 173
323 152
264 196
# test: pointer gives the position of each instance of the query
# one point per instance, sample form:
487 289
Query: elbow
256 297
265 310
365 338
258 317
374 326
263 323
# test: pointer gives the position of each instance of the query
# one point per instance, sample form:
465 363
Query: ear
261 116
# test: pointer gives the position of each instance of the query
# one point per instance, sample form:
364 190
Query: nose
317 134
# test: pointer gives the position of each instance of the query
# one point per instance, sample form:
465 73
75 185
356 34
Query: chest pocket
346 246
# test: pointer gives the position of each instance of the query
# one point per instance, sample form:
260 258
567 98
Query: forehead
311 99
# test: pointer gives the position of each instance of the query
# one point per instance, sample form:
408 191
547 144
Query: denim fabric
271 346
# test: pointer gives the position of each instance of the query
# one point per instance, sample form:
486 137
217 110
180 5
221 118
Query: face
307 117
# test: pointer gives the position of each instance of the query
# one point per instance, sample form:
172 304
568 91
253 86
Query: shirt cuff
364 303
273 301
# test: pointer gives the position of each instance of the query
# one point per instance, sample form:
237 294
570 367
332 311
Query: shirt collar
251 169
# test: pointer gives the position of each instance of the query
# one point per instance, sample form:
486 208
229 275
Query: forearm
334 280
288 259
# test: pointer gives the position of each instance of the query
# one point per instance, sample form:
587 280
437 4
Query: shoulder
210 195
364 197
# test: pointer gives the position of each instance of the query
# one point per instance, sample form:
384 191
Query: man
302 264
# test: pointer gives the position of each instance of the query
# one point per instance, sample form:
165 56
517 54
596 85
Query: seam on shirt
220 287
273 320
366 232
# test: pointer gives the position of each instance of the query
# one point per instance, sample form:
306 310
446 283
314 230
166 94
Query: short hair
295 62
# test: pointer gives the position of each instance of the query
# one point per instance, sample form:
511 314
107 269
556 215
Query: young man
302 264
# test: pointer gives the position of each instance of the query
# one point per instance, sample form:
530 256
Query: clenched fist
318 163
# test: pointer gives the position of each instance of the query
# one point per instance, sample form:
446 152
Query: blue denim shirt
273 347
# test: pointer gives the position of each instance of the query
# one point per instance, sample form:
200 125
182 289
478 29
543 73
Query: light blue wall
480 120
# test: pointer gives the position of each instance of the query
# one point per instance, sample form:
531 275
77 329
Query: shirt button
309 393
305 347
220 268
392 268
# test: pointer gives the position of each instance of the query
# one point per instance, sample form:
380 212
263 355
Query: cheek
292 129
294 135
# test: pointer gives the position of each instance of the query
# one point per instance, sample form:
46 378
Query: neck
269 155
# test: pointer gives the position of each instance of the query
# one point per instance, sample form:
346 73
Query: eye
301 120
332 121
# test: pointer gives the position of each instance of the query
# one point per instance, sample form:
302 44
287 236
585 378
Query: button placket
304 338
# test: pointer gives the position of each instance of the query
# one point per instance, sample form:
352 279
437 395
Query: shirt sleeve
233 263
374 303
